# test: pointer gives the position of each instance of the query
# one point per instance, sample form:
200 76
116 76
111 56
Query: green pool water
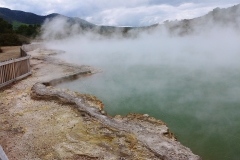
200 106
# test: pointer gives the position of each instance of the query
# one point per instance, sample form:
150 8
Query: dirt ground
10 52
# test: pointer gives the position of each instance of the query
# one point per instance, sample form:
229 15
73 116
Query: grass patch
16 25
9 52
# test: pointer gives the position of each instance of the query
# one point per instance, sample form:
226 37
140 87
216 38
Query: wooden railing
15 69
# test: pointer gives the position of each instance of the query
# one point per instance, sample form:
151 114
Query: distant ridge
31 18
220 17
223 17
23 17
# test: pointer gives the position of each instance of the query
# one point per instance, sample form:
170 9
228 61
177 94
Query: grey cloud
148 15
121 13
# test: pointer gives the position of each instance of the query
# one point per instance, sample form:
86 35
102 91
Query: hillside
30 18
17 18
217 17
225 17
8 37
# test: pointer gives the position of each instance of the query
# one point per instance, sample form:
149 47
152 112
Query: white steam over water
191 82
207 49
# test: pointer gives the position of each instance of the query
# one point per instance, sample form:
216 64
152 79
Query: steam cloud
211 48
205 49
208 44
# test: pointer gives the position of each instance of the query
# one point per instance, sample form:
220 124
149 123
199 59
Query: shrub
9 39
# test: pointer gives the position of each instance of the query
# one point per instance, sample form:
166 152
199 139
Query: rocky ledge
43 122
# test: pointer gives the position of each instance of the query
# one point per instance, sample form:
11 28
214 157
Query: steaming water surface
192 83
200 107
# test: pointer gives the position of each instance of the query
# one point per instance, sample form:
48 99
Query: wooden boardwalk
15 69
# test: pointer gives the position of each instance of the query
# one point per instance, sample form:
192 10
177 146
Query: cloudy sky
121 12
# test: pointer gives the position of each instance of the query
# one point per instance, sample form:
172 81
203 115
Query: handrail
15 69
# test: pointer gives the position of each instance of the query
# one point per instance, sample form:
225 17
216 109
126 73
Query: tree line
21 35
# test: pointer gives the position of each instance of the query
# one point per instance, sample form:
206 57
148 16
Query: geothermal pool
200 106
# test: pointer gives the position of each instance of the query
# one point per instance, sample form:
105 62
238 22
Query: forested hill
221 17
22 17
9 37
30 18
28 24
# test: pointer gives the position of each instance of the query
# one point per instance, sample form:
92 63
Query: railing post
14 71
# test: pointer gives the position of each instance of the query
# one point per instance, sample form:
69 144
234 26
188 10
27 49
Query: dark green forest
17 36
28 30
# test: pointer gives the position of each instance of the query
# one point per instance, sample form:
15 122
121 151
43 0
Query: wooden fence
15 69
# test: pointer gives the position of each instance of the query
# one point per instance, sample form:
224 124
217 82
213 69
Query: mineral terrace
38 121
